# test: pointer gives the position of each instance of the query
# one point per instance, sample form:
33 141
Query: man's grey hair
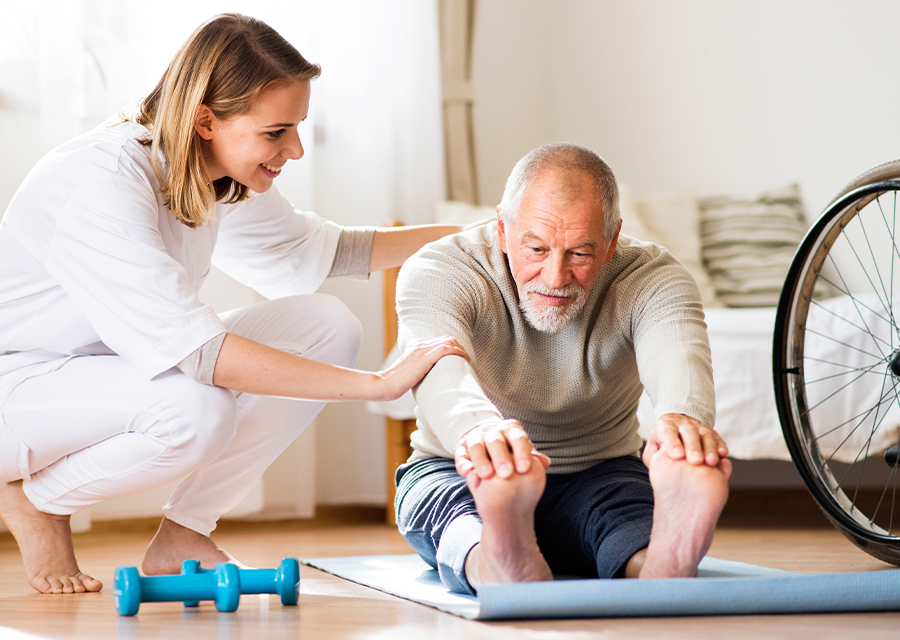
570 158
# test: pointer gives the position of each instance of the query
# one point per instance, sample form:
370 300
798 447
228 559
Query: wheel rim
837 363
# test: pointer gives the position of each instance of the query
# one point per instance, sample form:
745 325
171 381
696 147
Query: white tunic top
92 261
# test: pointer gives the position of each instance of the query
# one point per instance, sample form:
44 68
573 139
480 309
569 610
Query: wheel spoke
841 364
862 226
862 415
869 369
843 291
850 244
865 330
885 399
880 357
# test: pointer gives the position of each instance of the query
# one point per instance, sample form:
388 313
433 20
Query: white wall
733 97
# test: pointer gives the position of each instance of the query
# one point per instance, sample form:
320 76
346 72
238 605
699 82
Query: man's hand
500 447
682 438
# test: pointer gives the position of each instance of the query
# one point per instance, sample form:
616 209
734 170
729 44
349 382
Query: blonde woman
114 378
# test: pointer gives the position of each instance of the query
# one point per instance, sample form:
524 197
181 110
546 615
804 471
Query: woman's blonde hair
225 65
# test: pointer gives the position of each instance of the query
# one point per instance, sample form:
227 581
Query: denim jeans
588 524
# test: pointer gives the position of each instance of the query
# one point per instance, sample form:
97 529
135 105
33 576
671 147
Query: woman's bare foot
508 551
688 499
45 541
173 544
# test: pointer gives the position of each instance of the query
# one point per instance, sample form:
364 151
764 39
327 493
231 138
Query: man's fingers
725 466
481 461
542 458
650 449
464 465
521 446
683 437
711 445
501 455
670 441
500 447
693 444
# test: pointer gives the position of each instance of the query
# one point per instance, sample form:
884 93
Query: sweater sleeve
670 341
439 295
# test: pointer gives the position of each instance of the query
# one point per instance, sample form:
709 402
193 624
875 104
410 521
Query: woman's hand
412 366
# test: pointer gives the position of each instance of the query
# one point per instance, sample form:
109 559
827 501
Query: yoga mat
723 587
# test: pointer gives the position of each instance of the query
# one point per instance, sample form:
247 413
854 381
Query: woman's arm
391 246
248 366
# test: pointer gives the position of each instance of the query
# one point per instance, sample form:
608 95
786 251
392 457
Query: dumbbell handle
258 580
284 580
199 586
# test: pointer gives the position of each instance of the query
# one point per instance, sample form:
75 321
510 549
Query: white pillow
671 220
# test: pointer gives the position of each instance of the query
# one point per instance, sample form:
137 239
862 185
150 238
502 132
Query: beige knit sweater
576 391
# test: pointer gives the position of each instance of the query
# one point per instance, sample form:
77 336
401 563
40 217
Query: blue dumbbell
283 581
223 585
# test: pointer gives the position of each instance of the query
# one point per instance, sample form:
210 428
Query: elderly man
527 459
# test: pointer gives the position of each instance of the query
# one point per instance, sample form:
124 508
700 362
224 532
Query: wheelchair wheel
836 358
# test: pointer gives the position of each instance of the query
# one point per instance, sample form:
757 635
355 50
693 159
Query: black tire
836 335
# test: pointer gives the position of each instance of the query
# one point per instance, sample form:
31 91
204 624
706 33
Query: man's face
556 248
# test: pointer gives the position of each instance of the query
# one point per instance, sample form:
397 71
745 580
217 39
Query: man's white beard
546 318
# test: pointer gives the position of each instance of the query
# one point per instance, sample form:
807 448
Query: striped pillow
747 245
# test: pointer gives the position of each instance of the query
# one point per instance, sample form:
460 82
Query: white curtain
457 20
373 152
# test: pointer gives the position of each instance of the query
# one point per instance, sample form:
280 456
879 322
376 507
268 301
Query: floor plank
782 530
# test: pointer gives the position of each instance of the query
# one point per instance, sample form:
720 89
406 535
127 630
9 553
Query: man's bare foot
45 541
687 499
173 544
508 551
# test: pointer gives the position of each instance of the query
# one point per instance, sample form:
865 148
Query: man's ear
204 122
501 232
612 245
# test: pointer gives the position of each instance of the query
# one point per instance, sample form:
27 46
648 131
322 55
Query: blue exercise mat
723 587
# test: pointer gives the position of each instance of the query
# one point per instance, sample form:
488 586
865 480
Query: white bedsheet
746 417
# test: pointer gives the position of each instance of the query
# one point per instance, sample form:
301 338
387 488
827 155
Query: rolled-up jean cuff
13 456
458 539
626 545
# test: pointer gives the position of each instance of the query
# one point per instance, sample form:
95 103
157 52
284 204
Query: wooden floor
778 529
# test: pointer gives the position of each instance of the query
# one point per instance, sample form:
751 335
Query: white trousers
95 428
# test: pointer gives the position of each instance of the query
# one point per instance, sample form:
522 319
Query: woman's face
253 147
